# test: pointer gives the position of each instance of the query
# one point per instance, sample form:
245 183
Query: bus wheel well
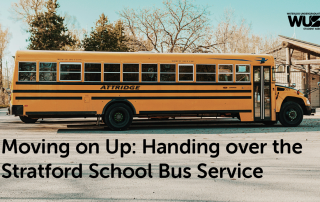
114 101
297 100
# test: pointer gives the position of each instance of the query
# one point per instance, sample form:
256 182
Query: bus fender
297 100
113 101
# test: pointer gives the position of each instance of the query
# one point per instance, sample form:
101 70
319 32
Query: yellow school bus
119 86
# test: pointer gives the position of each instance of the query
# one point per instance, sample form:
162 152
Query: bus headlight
308 102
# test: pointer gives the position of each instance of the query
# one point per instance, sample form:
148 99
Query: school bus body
41 99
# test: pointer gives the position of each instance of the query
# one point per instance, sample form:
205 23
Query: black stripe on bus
131 91
48 98
71 113
127 83
194 111
179 97
83 113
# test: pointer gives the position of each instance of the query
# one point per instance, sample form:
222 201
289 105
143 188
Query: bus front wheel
25 119
118 117
291 114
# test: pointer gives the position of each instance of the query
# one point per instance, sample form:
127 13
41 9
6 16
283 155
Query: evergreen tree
48 31
106 37
121 38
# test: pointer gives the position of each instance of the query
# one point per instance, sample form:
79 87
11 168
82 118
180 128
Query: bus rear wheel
25 119
118 117
291 114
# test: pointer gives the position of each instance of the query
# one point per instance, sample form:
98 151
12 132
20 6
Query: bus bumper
16 110
310 111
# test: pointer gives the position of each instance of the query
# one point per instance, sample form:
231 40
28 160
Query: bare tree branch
4 40
26 9
231 36
178 27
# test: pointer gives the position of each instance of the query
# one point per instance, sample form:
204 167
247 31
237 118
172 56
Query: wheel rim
118 117
292 115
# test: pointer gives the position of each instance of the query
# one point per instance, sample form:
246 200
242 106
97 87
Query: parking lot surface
286 177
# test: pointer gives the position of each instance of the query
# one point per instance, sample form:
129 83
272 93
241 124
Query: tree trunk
0 70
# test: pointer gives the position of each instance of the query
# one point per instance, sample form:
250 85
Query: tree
118 31
48 31
4 40
25 10
137 43
231 36
106 36
76 33
181 26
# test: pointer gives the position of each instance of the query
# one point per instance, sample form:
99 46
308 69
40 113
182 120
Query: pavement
3 111
286 177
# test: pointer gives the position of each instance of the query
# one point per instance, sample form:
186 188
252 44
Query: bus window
266 74
92 72
47 71
206 73
111 72
168 72
225 73
130 72
185 72
70 71
242 73
149 72
27 71
257 75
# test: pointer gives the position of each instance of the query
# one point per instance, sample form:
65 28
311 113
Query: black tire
270 123
27 119
118 117
291 114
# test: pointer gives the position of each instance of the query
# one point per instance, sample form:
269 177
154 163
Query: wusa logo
309 21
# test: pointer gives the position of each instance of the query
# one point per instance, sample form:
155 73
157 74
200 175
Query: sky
266 17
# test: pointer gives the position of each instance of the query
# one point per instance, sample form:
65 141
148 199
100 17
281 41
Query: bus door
262 93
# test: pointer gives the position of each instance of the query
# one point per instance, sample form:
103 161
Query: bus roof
22 52
99 55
